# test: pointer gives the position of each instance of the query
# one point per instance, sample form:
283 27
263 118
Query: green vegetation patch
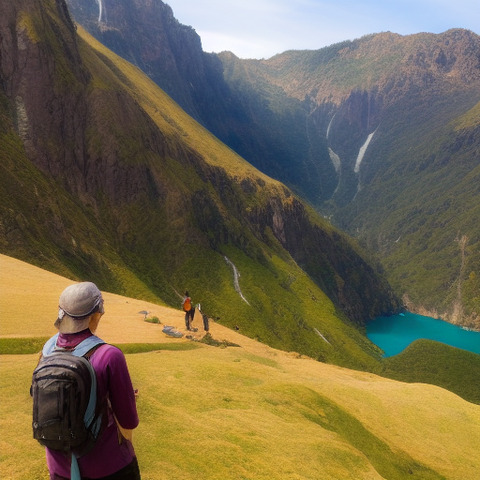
209 340
25 346
21 346
152 320
128 348
427 361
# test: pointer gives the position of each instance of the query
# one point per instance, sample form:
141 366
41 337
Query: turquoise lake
393 334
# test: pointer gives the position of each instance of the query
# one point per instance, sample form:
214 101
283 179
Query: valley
296 198
132 192
379 134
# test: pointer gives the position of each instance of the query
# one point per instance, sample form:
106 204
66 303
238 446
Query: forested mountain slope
399 117
380 133
105 178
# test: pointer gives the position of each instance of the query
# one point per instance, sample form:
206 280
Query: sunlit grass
172 120
225 413
246 411
469 119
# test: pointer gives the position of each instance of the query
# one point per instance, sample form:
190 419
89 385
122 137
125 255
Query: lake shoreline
394 333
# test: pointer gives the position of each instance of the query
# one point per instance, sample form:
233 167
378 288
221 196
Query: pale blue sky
263 28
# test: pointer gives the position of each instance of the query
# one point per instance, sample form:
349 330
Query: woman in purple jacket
113 456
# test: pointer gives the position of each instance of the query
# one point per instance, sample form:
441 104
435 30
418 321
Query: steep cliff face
147 34
59 85
105 178
362 99
326 256
407 146
55 112
311 119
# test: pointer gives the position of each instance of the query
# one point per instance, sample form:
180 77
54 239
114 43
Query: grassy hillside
240 412
316 331
437 363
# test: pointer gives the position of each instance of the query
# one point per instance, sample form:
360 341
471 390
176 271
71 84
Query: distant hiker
189 310
206 326
112 455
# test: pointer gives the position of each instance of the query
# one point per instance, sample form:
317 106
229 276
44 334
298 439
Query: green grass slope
24 287
230 413
239 412
432 362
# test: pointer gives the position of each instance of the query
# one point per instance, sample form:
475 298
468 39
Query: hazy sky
263 28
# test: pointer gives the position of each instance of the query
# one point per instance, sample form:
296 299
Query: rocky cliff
148 35
105 178
352 128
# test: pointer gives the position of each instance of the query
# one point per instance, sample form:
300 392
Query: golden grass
29 306
238 413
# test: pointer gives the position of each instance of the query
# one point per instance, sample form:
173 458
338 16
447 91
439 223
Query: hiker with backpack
189 310
78 373
205 319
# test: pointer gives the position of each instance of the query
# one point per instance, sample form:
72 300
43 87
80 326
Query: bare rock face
65 128
52 121
145 33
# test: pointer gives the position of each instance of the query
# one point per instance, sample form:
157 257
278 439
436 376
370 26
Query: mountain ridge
350 128
129 191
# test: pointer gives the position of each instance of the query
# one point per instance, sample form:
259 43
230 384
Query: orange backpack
187 304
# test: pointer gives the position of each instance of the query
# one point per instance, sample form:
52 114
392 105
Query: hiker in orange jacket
189 310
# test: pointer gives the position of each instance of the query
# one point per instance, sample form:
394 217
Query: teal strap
50 345
79 351
74 469
92 401
86 345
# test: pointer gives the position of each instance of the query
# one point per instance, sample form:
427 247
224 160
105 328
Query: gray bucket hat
80 299
77 302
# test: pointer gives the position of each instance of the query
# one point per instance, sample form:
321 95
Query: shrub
152 320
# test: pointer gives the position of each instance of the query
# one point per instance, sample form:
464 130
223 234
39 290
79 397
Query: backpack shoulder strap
79 351
84 347
50 345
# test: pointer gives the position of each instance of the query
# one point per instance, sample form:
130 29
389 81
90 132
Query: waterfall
335 159
236 276
100 10
320 335
362 151
329 125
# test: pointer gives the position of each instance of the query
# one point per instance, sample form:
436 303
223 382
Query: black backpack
67 416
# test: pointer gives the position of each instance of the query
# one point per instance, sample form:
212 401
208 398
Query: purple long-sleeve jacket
113 380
